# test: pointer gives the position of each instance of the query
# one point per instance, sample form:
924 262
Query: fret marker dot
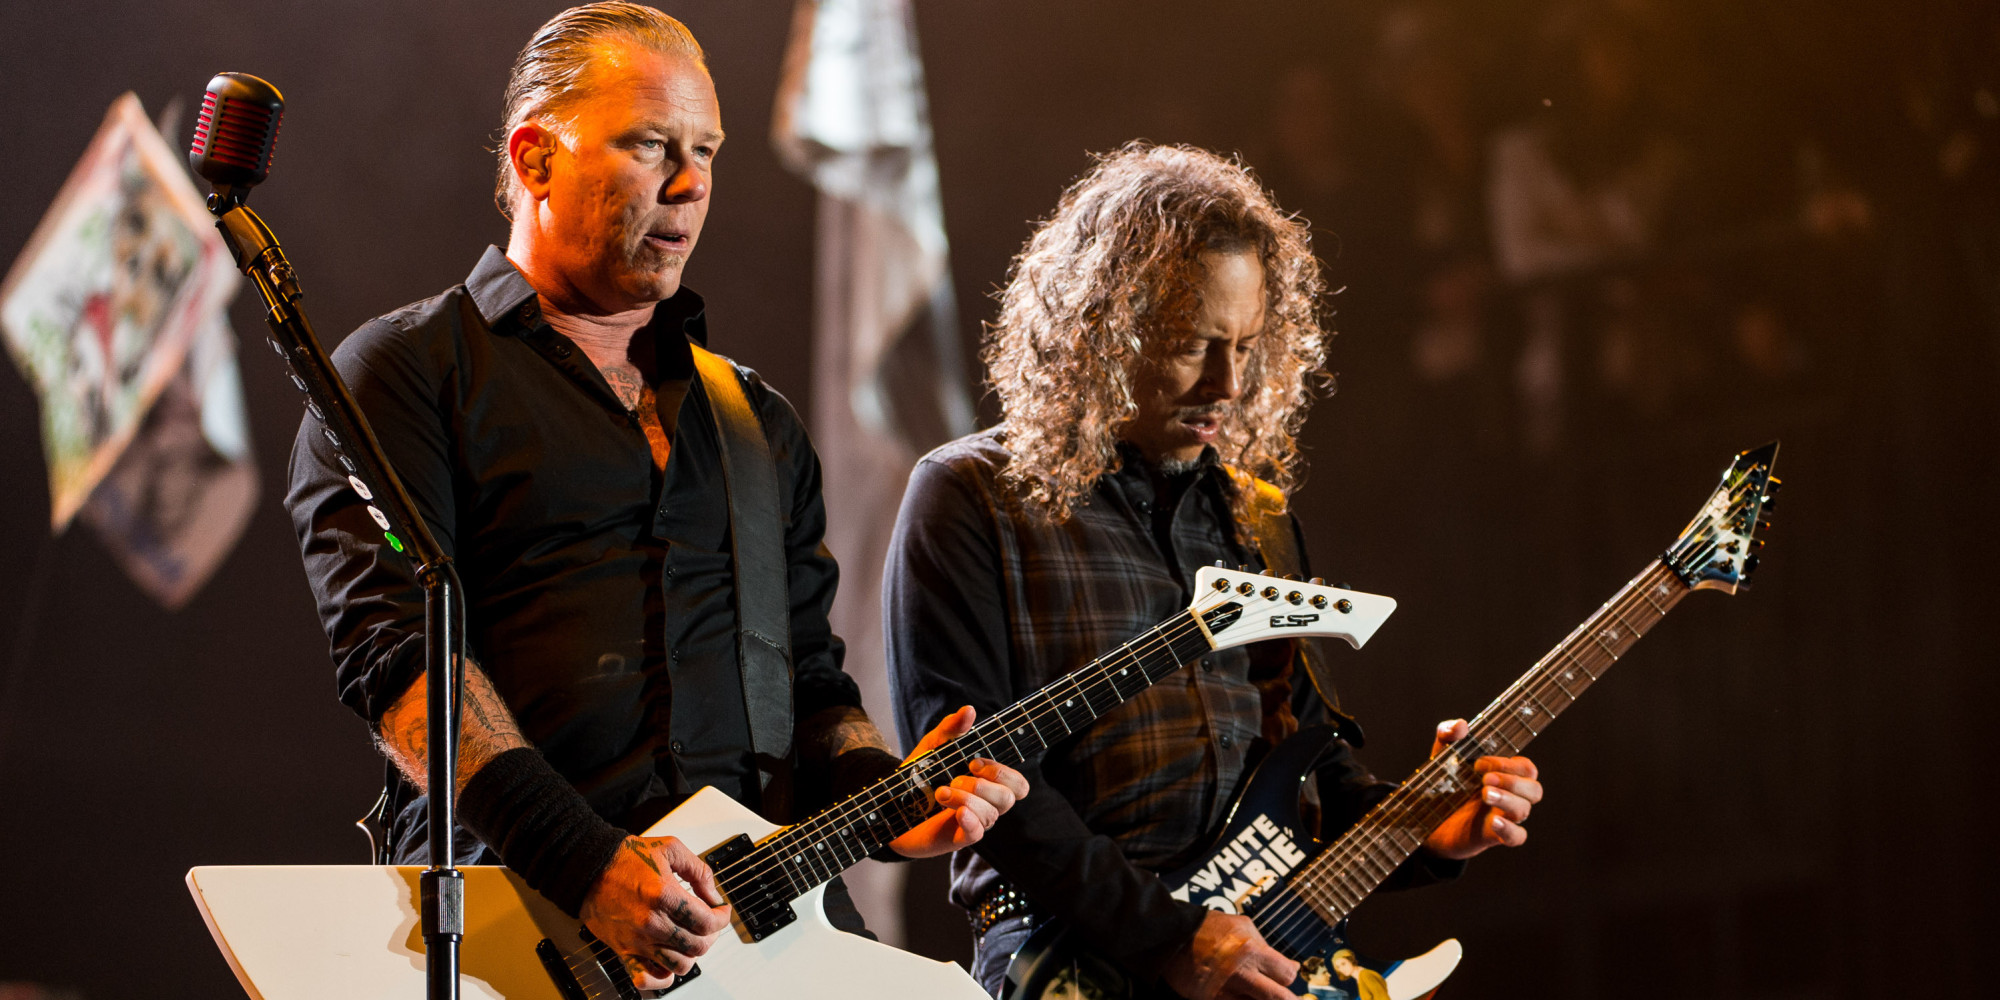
1569 675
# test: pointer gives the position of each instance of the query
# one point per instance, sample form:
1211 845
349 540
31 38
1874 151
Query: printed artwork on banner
183 490
101 307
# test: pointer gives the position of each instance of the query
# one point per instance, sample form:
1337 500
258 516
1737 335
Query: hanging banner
102 305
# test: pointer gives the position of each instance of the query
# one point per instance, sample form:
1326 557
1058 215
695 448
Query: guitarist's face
1191 376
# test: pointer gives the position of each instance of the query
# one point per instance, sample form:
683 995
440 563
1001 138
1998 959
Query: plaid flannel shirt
985 601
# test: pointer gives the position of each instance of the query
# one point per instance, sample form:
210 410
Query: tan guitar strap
1271 528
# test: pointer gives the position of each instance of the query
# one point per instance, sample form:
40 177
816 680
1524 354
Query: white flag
887 383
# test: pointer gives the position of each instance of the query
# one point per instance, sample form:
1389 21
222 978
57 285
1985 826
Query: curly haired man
1152 360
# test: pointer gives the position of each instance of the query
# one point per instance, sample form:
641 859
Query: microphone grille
236 132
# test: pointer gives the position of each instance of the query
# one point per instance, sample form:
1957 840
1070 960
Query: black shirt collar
1134 464
499 289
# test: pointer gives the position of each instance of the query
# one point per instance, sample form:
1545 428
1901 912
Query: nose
689 183
1223 381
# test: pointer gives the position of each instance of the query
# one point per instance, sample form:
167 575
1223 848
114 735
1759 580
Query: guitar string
892 788
1363 841
1539 686
954 754
1356 862
1292 905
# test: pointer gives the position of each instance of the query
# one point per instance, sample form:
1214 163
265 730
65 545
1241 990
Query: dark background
1783 795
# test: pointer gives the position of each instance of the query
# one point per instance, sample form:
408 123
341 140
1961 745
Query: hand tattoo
646 856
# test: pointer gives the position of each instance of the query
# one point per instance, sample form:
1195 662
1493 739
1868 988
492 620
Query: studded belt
999 903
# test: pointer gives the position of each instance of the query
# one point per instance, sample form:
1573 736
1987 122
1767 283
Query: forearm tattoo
835 731
487 730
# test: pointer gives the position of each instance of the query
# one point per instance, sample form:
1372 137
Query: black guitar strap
763 592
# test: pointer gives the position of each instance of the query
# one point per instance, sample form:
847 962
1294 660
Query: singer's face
629 186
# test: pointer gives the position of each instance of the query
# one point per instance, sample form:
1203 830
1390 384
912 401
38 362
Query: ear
532 148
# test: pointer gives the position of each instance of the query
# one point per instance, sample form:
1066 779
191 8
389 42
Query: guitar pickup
763 907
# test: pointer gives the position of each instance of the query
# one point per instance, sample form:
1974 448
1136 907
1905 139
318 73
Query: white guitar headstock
1238 607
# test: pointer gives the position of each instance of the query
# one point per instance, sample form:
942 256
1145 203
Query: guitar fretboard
1344 874
811 852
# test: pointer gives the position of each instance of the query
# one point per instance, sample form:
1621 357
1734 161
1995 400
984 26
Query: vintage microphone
234 138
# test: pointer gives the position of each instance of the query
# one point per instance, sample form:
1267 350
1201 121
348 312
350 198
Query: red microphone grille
235 132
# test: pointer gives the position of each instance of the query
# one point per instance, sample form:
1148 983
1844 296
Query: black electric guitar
1299 891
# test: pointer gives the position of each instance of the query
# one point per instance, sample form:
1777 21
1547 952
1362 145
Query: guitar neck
813 851
1343 875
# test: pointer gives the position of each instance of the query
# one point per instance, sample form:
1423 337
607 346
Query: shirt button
675 746
563 351
1225 740
1145 506
1207 667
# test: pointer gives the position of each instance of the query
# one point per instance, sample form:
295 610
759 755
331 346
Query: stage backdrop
1585 252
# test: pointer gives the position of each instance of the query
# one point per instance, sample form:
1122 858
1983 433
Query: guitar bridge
763 907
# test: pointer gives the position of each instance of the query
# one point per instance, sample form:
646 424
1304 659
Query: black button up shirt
599 593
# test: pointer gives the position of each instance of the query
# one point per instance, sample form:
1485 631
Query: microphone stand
258 255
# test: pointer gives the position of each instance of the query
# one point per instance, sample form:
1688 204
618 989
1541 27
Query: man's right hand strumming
1229 959
657 906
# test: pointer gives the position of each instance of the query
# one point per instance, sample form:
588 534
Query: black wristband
540 826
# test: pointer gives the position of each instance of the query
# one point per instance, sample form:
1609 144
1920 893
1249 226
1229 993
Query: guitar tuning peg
1242 567
1318 581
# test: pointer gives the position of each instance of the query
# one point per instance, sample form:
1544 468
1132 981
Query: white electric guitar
346 931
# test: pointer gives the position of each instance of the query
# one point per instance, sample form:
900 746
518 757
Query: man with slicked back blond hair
551 424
